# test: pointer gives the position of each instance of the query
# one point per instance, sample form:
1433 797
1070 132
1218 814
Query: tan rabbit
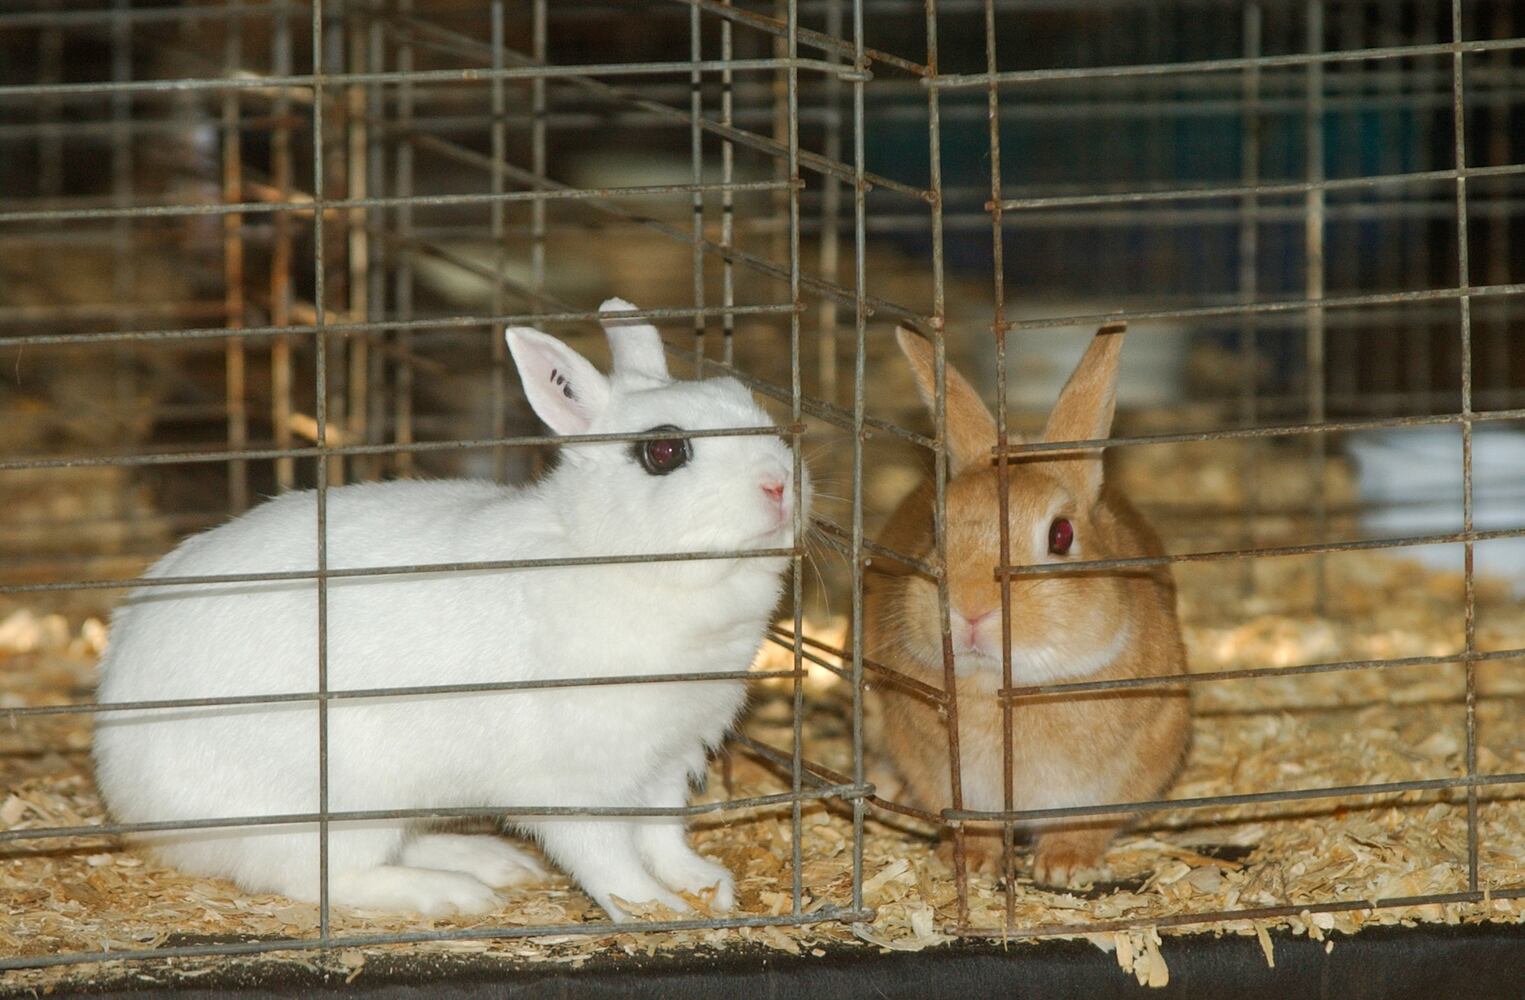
1069 749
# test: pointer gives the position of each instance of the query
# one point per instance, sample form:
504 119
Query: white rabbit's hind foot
430 892
491 860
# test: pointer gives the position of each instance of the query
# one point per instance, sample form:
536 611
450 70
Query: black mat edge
1481 962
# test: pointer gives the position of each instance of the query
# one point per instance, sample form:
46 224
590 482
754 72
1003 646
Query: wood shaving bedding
1275 733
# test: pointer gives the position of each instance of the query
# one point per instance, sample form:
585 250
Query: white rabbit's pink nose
774 490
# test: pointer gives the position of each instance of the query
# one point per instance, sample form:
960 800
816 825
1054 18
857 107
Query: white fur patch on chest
1042 664
1046 781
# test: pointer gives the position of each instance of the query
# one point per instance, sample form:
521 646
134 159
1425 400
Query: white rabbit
624 745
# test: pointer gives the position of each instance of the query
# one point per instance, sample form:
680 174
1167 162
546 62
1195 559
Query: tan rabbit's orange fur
1069 749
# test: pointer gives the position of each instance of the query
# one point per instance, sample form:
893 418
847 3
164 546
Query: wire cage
251 247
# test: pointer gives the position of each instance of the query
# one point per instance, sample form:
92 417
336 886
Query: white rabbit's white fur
608 745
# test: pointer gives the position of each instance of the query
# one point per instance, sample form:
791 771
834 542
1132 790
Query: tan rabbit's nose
966 629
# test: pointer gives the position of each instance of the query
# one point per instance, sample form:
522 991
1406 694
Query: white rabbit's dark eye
1061 535
664 455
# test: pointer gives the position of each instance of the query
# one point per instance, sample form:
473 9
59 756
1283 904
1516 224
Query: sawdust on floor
1270 734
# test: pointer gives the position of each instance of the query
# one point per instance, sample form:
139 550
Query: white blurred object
621 166
1410 483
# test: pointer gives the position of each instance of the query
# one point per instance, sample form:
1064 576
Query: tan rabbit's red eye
1061 535
664 455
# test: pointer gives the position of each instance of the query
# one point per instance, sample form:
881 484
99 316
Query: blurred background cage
245 246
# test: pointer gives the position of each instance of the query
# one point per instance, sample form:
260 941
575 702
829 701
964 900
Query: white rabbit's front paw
692 873
420 890
490 859
636 893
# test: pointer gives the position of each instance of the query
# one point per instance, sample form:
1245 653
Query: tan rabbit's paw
983 854
1065 862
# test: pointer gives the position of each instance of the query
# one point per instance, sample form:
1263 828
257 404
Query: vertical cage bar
50 138
780 49
1350 266
940 458
1313 244
233 270
1386 365
358 243
281 258
403 184
727 196
796 400
124 285
121 146
1158 152
334 159
375 221
696 176
1500 352
498 345
860 401
1249 288
540 50
1420 374
320 417
1003 470
1464 304
831 211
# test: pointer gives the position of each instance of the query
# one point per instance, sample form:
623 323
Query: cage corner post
791 112
948 696
235 388
323 477
857 553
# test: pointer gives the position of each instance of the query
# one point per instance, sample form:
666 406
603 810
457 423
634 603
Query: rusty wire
377 223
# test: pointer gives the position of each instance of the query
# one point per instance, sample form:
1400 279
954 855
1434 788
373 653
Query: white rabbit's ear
636 344
566 391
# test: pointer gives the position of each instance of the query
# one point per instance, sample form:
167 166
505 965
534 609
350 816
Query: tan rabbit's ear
971 428
1084 411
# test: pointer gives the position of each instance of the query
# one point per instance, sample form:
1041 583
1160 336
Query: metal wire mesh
320 119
